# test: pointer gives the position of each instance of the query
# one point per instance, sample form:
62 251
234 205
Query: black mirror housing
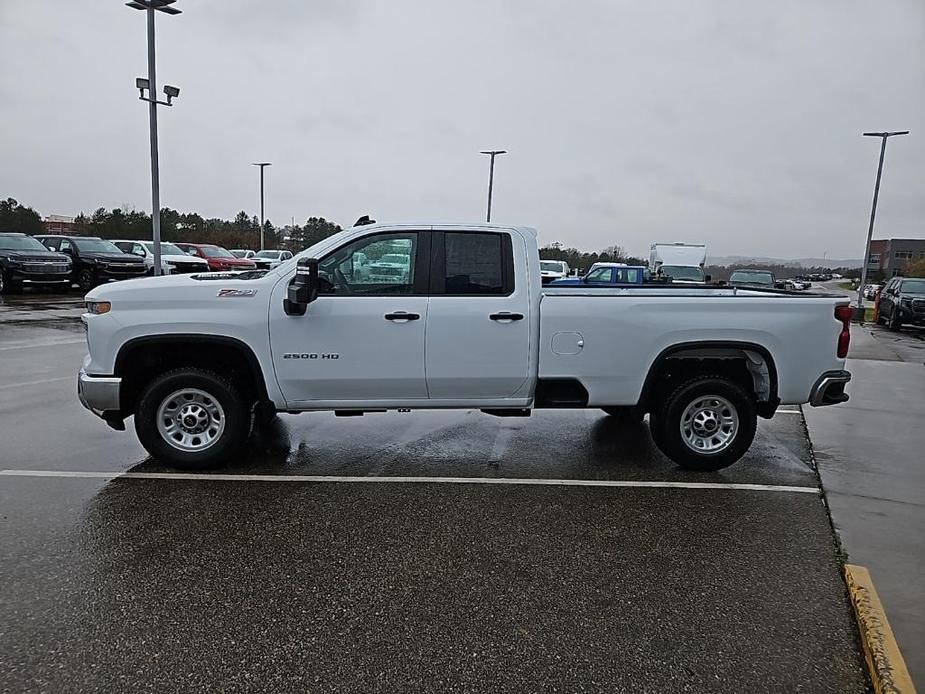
303 289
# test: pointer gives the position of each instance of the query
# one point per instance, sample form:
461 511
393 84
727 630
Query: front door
362 339
479 319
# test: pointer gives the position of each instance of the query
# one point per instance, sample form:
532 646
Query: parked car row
48 260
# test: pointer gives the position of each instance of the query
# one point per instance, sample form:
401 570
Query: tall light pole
884 136
262 165
491 176
150 84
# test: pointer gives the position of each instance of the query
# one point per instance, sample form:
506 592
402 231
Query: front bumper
830 389
32 277
99 394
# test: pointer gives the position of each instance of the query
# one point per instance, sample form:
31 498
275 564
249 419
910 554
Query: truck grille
127 267
186 268
45 267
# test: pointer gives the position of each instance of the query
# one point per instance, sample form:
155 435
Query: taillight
843 313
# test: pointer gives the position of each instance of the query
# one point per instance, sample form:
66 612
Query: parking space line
35 383
539 482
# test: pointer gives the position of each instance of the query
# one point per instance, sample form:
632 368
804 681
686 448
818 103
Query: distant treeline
582 261
241 232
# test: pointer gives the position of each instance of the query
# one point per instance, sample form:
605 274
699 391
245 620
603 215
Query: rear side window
478 263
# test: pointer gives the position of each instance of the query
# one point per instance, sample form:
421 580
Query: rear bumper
99 394
830 389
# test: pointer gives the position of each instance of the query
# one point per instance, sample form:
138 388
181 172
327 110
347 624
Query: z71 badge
223 293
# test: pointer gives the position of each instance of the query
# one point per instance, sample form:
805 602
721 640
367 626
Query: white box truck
682 262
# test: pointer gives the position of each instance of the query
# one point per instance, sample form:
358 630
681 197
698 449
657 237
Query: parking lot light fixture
262 165
150 85
491 175
884 136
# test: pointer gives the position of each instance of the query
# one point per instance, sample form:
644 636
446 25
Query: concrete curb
884 661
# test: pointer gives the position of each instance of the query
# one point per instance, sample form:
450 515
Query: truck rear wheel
706 424
192 419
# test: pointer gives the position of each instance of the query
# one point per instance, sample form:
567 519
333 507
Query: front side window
475 264
598 275
380 264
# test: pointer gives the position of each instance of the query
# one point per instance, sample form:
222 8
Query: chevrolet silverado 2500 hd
462 322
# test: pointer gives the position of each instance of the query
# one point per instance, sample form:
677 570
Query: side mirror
708 278
303 289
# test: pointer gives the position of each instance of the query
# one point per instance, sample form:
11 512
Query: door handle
506 315
402 315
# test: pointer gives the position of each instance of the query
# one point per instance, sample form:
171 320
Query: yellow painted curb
887 668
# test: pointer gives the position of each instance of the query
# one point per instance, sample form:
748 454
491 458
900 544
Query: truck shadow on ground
463 446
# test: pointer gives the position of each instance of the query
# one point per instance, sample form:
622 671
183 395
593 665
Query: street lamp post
491 175
859 314
150 84
262 165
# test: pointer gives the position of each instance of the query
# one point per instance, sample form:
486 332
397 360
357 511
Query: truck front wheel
192 419
706 424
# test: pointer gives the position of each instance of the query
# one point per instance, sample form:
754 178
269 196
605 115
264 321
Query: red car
217 257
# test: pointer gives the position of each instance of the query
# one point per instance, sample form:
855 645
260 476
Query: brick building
60 224
890 256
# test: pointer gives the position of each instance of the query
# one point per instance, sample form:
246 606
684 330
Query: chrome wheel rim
190 420
709 424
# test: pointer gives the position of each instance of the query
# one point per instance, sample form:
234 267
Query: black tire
86 280
895 322
667 432
238 419
7 286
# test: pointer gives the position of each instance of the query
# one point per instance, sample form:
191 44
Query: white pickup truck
464 323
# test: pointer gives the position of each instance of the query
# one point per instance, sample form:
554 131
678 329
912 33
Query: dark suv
95 260
902 301
26 262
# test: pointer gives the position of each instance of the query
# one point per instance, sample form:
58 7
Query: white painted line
35 383
221 477
47 343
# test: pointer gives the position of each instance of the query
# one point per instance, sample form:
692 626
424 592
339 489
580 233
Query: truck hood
36 256
168 288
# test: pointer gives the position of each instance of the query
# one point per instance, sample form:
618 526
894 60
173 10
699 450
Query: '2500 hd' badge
311 355
225 293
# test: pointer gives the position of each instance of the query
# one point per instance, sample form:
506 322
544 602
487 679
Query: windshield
20 243
166 248
95 246
269 254
749 277
683 272
914 286
551 265
239 254
215 252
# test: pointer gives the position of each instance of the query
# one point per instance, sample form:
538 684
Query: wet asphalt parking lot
266 581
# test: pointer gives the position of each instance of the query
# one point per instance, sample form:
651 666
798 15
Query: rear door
477 340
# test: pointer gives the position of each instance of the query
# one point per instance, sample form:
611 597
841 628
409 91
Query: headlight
12 262
98 307
905 301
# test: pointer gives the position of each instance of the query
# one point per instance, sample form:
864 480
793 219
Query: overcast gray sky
734 123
